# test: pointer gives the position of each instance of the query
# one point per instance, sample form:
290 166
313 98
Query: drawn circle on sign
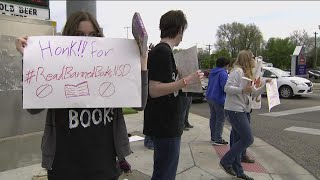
107 89
44 91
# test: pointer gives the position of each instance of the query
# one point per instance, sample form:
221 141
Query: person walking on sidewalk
162 114
239 93
72 150
234 137
216 97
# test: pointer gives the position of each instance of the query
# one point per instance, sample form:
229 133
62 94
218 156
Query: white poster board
81 72
256 102
187 63
272 94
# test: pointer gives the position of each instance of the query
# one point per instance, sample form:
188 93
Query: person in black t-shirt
83 143
161 115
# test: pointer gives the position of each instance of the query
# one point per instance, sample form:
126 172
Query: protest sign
187 63
81 72
256 102
139 33
272 94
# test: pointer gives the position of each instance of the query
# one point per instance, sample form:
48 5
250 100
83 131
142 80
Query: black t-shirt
161 115
84 141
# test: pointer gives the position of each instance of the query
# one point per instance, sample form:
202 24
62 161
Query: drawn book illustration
139 33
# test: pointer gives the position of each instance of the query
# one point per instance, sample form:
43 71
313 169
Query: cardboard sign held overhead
140 34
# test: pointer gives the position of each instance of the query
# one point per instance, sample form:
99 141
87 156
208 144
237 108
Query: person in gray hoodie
74 148
239 93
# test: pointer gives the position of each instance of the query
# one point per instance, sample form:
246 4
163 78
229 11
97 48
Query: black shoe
228 170
245 177
188 126
220 143
247 159
185 129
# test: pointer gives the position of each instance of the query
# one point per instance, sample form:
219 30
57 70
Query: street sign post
298 62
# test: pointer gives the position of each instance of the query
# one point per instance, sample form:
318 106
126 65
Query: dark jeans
148 142
240 124
217 117
68 174
234 137
188 105
184 110
166 158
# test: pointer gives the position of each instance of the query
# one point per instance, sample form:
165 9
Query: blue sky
274 18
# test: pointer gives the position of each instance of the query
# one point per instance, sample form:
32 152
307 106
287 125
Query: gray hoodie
235 99
121 141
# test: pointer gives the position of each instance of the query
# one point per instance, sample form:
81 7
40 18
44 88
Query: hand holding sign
187 64
257 83
21 43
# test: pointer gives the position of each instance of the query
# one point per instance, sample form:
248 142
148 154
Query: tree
221 53
278 52
235 37
301 38
177 50
204 58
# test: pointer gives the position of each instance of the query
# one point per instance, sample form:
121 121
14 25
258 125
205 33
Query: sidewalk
198 158
316 86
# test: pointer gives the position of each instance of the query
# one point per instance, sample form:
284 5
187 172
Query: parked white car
288 85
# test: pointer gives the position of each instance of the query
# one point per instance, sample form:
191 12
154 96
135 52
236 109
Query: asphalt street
302 147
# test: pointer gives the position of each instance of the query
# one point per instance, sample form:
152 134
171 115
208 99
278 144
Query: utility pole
127 27
209 48
315 48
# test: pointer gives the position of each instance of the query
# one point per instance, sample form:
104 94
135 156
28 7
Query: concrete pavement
316 86
198 158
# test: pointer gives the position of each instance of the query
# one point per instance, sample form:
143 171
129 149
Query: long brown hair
245 61
74 20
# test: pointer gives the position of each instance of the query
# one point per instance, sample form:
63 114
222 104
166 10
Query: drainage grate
250 167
